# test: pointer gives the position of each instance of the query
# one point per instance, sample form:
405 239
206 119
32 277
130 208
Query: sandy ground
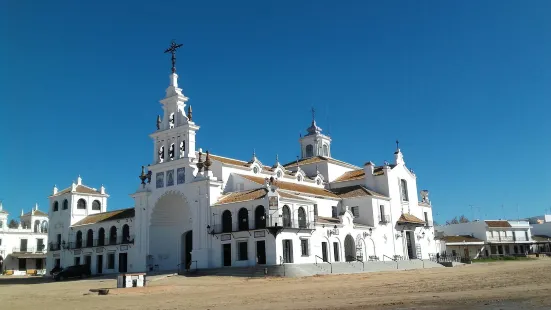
503 285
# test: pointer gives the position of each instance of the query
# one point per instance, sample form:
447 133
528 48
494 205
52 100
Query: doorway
349 249
324 251
466 253
226 253
336 251
409 244
88 261
288 251
39 263
261 252
99 264
188 248
123 260
22 264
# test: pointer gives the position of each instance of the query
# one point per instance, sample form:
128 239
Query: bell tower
175 135
314 143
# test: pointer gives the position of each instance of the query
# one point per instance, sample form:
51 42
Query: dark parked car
73 272
55 270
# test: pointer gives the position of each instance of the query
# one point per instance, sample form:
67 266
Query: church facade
194 209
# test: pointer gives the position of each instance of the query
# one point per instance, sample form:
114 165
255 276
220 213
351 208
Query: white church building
199 210
23 248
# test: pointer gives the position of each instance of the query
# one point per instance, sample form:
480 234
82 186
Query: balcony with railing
39 249
90 243
295 225
500 239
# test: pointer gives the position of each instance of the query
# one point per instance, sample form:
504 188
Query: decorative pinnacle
397 144
172 49
189 112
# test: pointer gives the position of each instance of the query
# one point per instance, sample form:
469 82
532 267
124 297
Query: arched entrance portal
187 247
171 217
349 249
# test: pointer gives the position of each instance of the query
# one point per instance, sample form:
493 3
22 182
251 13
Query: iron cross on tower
172 49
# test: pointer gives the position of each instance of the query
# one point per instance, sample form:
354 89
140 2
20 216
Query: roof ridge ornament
172 49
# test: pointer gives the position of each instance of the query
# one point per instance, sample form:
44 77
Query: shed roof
106 216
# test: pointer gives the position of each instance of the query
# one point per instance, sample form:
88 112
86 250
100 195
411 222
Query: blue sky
464 85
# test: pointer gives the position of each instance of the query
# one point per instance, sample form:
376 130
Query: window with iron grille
242 251
356 211
304 247
111 261
334 213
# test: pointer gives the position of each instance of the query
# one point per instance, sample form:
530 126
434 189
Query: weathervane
172 49
313 114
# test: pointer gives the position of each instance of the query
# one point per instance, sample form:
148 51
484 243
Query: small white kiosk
126 280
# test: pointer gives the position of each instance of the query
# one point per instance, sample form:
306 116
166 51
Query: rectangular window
356 211
77 261
304 247
181 175
404 188
23 245
39 245
334 213
526 235
242 251
336 251
315 210
0 242
111 261
426 218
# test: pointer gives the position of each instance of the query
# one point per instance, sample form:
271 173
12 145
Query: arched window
349 248
44 227
404 188
81 204
309 150
56 206
171 121
113 235
260 217
161 154
101 236
171 151
286 216
125 233
301 218
96 205
325 150
299 178
182 148
90 238
226 221
36 226
78 243
243 217
65 204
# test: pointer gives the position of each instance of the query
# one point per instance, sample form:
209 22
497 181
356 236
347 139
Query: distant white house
486 238
23 249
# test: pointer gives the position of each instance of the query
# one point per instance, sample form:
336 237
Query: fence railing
87 243
324 261
221 228
38 249
54 246
503 238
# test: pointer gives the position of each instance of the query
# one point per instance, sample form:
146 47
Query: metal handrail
282 264
392 259
395 260
330 265
363 265
422 261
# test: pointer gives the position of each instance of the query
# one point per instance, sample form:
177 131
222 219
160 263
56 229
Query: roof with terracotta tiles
81 189
311 190
497 223
466 238
328 220
356 191
317 159
241 196
106 216
541 238
291 196
407 218
35 212
351 175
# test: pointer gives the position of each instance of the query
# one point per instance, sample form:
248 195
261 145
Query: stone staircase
305 270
